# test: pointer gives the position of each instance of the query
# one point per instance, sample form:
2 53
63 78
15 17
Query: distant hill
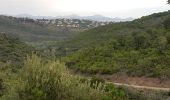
137 48
107 32
45 29
107 19
99 18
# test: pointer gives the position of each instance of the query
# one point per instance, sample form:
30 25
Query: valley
57 59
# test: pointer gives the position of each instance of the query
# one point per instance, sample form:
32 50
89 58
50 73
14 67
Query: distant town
72 23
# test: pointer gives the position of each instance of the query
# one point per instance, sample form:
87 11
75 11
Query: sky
109 8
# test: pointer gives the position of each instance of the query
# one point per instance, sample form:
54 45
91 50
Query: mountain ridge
93 17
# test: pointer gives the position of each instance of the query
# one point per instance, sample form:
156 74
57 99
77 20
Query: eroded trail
142 83
142 87
138 82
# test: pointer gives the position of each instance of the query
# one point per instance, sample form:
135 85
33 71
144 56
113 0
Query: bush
114 93
1 87
52 81
96 81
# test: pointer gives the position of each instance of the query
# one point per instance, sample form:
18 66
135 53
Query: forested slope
105 33
12 50
137 48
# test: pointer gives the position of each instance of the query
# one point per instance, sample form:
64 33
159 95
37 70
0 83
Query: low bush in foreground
52 81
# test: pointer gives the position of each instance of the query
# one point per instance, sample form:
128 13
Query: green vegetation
50 80
38 30
133 94
105 33
35 78
137 48
12 50
30 30
44 33
41 79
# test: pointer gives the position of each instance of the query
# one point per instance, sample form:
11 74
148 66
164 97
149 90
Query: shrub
96 81
1 87
52 81
114 93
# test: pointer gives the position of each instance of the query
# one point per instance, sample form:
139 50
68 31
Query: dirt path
142 87
134 82
138 82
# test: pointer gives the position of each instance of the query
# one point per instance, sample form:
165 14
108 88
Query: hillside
103 33
33 30
12 50
137 48
25 77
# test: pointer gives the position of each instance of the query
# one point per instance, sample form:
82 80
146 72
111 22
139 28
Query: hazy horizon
108 8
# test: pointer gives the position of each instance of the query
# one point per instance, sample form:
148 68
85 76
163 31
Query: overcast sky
111 8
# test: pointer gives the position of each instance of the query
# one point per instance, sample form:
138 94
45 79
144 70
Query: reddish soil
140 81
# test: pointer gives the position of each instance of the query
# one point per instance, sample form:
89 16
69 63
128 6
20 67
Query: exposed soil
133 82
139 81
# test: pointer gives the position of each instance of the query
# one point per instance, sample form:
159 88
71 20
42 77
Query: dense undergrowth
13 50
51 80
